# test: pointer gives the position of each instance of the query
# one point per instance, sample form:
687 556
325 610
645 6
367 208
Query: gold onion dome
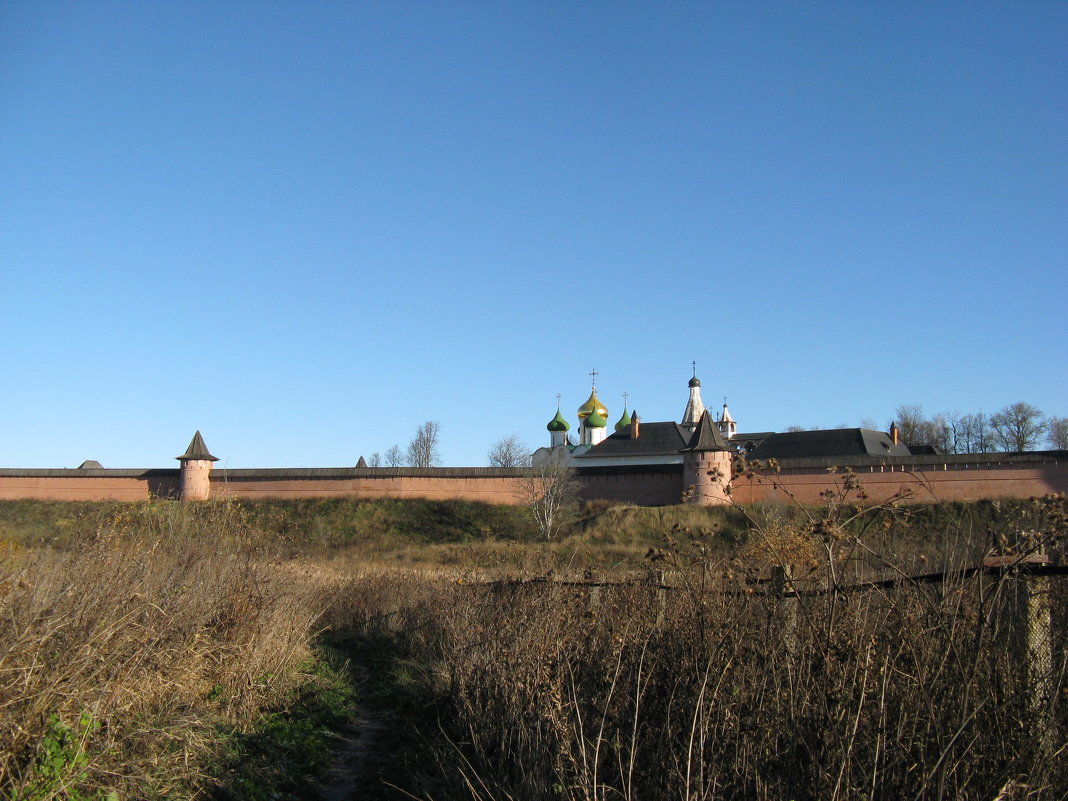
592 405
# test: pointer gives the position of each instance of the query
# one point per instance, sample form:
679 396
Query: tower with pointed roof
694 406
727 427
195 474
706 465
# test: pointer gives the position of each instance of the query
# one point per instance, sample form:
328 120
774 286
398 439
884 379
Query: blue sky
306 228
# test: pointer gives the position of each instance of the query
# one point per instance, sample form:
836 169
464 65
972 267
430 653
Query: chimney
634 425
893 432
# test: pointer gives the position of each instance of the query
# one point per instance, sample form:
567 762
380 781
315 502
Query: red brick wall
73 488
928 484
659 488
490 489
655 486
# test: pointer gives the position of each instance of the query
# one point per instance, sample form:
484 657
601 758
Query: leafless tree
909 419
971 432
394 457
1057 433
1018 427
550 491
423 449
375 460
509 451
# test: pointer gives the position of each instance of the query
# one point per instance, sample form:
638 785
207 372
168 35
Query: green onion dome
595 420
558 423
593 405
624 422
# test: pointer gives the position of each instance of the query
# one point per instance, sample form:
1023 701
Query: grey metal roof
90 464
835 442
653 439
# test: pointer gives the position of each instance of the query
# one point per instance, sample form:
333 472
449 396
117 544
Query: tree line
1016 427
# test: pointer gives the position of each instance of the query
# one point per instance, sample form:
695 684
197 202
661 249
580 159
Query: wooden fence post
659 577
786 607
593 599
1039 633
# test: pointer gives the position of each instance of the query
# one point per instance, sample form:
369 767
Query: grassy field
162 650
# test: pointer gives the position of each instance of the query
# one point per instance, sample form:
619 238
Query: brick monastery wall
486 484
652 485
88 485
930 478
926 478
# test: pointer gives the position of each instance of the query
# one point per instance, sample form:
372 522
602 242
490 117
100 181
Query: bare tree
550 490
1018 427
423 449
1057 433
936 433
971 433
394 457
509 451
909 423
375 460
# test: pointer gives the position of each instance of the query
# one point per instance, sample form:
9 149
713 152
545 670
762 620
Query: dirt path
347 776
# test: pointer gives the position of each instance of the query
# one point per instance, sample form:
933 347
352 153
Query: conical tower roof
197 451
706 436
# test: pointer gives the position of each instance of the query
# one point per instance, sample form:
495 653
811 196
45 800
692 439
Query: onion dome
695 382
593 405
624 422
596 420
558 423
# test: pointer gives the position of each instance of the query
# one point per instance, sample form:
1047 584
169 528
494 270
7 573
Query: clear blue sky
306 228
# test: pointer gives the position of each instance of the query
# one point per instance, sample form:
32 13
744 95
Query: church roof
654 439
830 442
197 451
706 436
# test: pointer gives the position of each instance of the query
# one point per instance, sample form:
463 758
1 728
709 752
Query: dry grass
130 635
718 689
121 653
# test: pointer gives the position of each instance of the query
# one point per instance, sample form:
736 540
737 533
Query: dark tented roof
90 464
197 450
362 463
706 436
653 439
830 442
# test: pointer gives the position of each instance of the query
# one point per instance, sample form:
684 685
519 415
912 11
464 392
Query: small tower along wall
196 479
706 477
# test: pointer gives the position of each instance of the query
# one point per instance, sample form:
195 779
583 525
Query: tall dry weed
729 687
155 624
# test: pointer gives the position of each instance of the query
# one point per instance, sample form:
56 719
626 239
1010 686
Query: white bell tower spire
694 406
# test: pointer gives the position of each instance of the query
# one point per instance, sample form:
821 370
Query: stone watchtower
195 480
706 464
